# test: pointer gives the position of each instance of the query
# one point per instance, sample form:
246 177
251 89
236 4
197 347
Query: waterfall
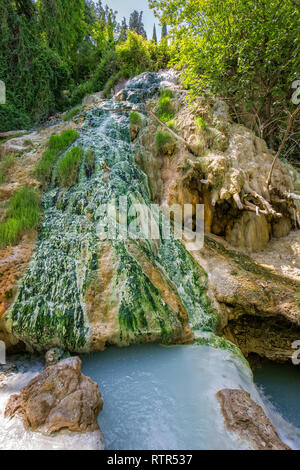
154 396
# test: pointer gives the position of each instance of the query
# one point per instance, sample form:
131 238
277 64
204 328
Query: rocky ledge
244 417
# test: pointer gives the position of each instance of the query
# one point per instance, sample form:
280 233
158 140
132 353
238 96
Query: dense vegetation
248 51
23 213
54 52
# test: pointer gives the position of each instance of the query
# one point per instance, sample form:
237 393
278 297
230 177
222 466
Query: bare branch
290 123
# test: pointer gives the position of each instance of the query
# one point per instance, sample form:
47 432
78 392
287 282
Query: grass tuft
66 173
56 145
72 113
23 213
171 124
89 162
161 139
166 110
135 118
201 124
5 165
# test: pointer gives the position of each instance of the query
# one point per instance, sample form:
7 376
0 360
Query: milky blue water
158 397
281 385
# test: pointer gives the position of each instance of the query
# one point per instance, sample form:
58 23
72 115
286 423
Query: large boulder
61 398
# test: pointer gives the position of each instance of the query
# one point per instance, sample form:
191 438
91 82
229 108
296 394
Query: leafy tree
34 75
245 50
63 25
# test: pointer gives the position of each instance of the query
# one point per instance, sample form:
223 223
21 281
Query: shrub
201 124
5 164
73 112
135 118
166 110
66 173
161 139
89 162
134 55
56 145
23 213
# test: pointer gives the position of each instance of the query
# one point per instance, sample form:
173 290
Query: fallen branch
176 136
290 123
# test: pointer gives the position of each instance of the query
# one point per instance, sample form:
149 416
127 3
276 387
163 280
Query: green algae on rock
84 293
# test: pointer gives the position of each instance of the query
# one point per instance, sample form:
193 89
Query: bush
56 144
165 109
161 139
22 214
201 124
66 173
5 165
73 112
135 118
134 55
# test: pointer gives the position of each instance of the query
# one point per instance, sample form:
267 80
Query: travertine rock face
250 232
60 398
226 170
258 305
243 416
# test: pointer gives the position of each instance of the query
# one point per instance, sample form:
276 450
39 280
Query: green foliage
171 124
73 112
66 173
201 124
22 214
89 162
5 165
63 25
165 110
34 75
56 144
161 139
134 55
135 118
246 50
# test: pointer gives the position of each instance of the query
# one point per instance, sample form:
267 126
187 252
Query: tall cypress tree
136 23
123 30
154 38
164 31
